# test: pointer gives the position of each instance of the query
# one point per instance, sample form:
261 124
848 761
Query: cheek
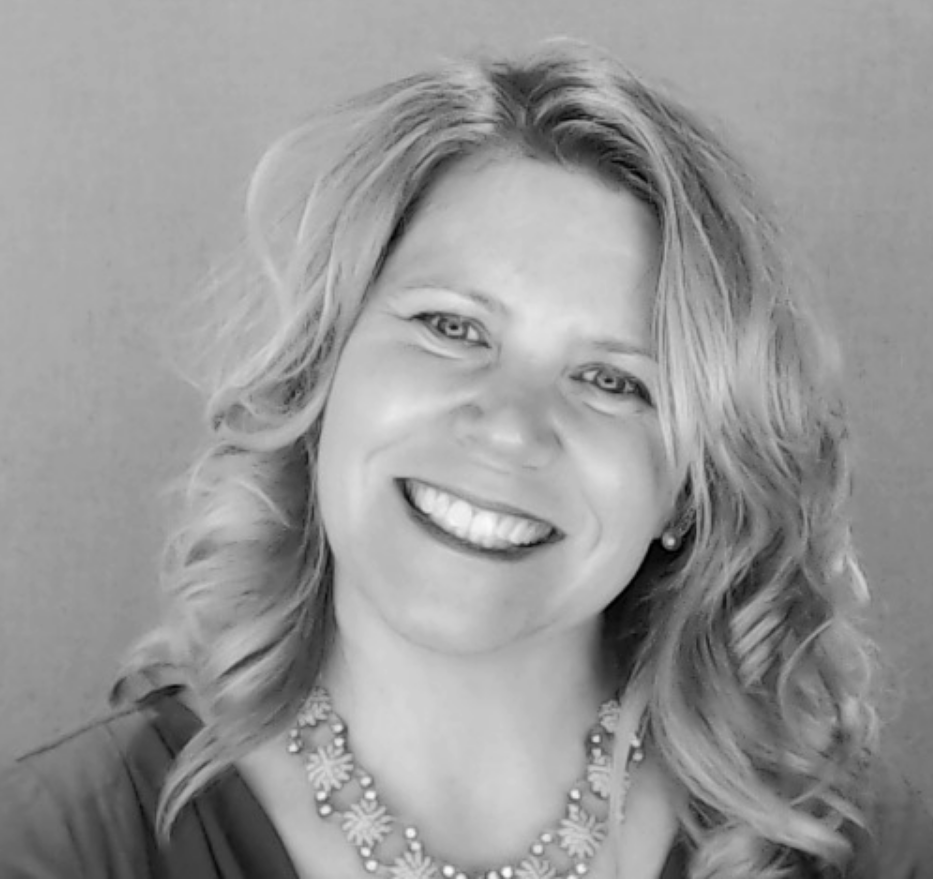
382 396
346 433
627 478
395 391
367 395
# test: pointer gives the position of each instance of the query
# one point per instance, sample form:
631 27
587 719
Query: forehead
523 226
519 194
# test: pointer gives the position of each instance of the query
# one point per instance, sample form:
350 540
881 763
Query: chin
457 633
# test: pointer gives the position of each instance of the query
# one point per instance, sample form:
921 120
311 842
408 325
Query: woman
521 548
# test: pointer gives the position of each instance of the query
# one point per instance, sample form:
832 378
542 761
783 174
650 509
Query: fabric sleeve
70 810
85 806
35 838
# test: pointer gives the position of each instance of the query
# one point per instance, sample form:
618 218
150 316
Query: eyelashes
605 379
451 327
620 383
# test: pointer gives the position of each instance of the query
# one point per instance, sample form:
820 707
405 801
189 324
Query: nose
508 426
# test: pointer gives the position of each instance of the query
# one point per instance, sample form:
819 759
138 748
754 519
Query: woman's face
491 466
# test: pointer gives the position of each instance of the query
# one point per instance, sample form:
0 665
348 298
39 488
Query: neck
525 687
519 715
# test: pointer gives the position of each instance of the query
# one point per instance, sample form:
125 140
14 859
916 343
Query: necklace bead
366 823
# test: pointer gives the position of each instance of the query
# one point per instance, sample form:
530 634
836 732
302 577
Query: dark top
85 807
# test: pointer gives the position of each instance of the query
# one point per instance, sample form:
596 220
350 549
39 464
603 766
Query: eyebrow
626 348
494 305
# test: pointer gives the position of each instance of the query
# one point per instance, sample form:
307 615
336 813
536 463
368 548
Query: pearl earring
670 540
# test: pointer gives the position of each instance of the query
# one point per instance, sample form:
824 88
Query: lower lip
509 554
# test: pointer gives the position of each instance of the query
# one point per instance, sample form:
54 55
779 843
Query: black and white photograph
466 439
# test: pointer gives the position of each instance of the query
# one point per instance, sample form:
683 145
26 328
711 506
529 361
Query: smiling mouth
467 526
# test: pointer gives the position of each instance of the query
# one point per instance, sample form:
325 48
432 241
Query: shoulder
85 804
898 839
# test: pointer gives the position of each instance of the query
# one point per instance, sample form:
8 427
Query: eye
615 383
451 327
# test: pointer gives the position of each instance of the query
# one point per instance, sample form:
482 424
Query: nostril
510 433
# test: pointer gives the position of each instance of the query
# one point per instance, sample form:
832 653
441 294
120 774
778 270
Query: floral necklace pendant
346 794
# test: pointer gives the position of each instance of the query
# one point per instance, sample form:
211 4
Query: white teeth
480 527
440 505
459 515
521 533
429 500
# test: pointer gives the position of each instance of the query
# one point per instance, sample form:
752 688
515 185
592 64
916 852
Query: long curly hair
757 678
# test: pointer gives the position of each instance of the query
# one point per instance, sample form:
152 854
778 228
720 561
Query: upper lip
489 504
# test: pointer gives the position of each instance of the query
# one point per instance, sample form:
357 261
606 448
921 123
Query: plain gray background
129 128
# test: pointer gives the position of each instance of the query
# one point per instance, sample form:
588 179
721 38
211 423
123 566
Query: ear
679 514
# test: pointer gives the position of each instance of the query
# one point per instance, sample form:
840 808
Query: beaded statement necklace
347 795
